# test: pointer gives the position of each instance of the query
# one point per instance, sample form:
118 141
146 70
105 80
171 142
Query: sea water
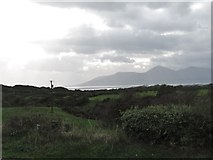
84 88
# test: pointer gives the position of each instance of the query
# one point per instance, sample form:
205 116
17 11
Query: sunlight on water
83 88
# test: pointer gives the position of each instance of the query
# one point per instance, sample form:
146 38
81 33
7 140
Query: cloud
117 58
101 6
160 16
57 64
80 41
141 28
140 36
85 40
180 60
75 68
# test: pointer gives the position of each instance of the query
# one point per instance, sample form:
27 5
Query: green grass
202 92
95 99
84 135
71 147
146 94
86 139
0 115
105 96
57 112
180 92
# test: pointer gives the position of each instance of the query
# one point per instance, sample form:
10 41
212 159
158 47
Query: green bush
166 124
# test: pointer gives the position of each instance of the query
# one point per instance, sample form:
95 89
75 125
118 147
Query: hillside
156 75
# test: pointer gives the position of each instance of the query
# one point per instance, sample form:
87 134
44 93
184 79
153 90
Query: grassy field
105 96
146 94
202 92
86 139
46 111
89 124
100 98
83 132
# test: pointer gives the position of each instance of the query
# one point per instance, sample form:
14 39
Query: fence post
51 87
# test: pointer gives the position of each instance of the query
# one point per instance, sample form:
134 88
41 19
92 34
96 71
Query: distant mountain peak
159 68
193 67
156 75
122 73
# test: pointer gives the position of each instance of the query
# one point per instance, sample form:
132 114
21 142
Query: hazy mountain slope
156 75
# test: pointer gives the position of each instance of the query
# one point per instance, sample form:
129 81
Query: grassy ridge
104 96
57 112
202 92
146 93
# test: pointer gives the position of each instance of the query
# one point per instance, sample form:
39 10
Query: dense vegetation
167 124
155 121
107 104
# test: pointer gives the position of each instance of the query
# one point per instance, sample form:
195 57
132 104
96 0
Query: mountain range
156 75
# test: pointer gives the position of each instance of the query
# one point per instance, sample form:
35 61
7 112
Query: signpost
51 87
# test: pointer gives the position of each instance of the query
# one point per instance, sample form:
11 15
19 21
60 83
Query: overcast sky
72 43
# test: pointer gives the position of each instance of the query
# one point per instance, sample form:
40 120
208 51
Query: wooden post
51 87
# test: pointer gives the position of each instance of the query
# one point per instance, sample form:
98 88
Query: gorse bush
166 124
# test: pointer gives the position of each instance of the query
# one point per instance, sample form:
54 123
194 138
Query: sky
71 43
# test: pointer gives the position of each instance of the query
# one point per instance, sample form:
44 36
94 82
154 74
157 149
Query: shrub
19 126
166 124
